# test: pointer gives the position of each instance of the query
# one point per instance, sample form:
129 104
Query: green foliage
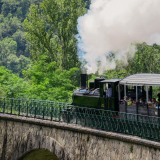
9 59
7 47
22 44
9 25
11 85
12 41
48 83
146 60
18 8
51 30
51 27
155 91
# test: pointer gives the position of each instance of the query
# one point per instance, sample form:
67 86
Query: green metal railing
32 108
133 124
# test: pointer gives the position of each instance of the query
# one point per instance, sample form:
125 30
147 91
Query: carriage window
139 88
105 86
131 88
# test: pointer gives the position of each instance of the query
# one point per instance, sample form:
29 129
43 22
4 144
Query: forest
38 50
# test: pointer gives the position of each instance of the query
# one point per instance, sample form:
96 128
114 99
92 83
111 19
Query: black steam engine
94 96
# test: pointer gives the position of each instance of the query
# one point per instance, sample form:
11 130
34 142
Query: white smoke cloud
112 25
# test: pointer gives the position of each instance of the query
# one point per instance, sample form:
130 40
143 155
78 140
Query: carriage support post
119 94
125 100
137 102
158 108
159 113
147 100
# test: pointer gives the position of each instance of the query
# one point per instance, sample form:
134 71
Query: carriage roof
110 80
141 79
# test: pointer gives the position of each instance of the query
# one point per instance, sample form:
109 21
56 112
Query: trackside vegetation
38 50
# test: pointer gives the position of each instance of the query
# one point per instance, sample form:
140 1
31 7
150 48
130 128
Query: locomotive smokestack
83 80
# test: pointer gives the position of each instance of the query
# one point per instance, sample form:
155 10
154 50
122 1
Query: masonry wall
19 135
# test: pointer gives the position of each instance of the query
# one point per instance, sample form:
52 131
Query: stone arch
39 153
35 142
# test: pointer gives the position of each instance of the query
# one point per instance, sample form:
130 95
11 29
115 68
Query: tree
51 30
22 44
146 60
7 47
48 83
18 8
12 41
9 25
9 59
11 85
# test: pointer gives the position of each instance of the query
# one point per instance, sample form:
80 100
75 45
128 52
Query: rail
132 124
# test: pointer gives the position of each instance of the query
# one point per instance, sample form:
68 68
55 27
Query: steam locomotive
94 96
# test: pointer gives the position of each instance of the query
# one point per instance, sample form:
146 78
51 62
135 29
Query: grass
40 154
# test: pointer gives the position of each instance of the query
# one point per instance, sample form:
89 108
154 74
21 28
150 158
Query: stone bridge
20 136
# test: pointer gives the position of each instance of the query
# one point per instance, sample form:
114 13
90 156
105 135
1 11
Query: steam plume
112 25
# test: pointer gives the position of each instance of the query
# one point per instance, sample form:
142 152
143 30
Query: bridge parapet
131 124
20 135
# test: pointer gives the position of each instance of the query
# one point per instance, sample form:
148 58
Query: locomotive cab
111 103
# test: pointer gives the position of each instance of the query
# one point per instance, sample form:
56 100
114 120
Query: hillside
14 49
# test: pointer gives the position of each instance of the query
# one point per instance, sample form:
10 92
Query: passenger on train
109 91
141 102
134 102
123 100
153 102
130 99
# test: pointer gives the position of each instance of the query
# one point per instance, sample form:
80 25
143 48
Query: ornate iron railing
133 124
32 108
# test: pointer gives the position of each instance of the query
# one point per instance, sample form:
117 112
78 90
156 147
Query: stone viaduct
20 135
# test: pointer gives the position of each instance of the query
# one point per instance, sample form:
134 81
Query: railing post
11 105
19 108
43 111
85 118
35 110
137 110
27 109
51 111
68 115
60 113
147 109
47 109
76 117
4 105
